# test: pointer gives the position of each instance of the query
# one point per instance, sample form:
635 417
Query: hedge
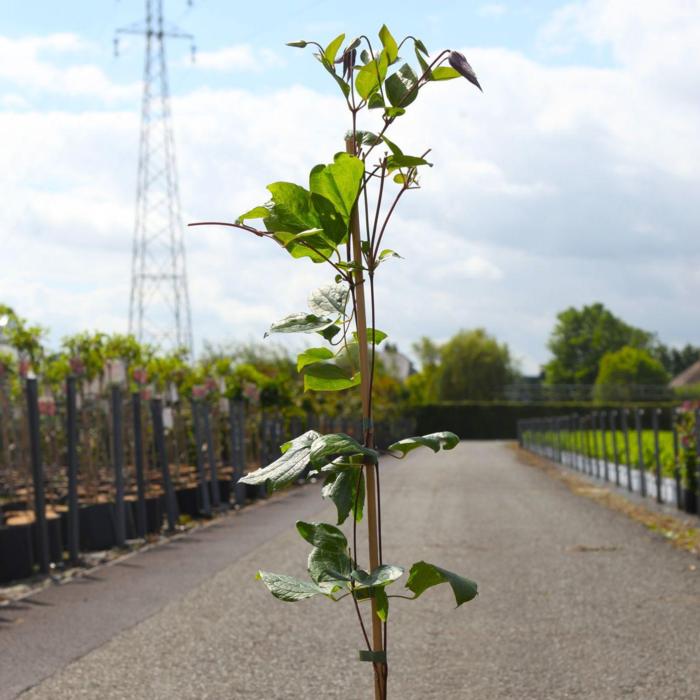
499 420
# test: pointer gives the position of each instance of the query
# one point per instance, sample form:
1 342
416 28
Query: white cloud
557 186
27 63
241 57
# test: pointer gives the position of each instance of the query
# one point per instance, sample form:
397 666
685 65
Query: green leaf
368 138
329 564
288 588
324 376
332 48
371 76
374 335
341 487
322 535
300 323
287 468
445 440
260 212
392 146
400 179
335 228
421 46
424 66
307 244
445 73
389 43
311 355
331 70
382 604
381 576
394 112
388 253
330 332
326 447
423 576
401 87
403 161
365 56
300 44
329 300
339 182
291 209
376 101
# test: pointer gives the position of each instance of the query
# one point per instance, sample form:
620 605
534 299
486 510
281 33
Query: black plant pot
53 527
97 530
188 501
690 500
224 492
154 514
16 552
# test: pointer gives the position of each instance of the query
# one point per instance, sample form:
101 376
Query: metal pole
628 456
141 523
199 445
640 451
604 447
676 460
616 456
72 449
159 439
697 455
118 466
657 458
237 430
37 475
216 494
594 429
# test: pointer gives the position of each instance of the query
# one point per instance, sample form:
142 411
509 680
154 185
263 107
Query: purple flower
461 65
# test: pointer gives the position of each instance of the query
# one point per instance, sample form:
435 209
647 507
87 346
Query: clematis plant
341 220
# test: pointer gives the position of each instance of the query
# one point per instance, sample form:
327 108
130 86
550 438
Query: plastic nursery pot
225 491
97 530
53 526
690 500
154 514
188 501
16 552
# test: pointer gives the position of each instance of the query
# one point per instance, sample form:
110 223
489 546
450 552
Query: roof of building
688 377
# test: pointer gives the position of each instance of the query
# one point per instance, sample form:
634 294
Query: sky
573 178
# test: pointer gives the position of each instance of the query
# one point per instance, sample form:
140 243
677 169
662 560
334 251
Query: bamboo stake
368 430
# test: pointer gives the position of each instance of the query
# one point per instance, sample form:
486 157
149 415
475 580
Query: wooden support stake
368 430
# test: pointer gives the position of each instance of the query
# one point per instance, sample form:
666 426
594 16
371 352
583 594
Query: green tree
624 370
474 365
675 360
580 339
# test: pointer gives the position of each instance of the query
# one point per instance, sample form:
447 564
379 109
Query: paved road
576 602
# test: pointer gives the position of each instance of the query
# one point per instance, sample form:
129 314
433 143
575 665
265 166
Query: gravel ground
576 601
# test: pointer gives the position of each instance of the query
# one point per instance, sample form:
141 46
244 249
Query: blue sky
572 179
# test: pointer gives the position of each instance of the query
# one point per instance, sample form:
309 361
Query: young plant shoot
341 220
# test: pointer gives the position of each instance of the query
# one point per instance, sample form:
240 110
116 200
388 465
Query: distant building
688 377
396 363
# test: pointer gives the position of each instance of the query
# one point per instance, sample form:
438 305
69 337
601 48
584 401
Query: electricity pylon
159 306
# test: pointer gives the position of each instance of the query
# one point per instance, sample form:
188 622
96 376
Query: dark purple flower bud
348 59
461 65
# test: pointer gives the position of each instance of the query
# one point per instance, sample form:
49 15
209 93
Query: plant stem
368 430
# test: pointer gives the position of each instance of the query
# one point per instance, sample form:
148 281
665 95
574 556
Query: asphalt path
576 601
